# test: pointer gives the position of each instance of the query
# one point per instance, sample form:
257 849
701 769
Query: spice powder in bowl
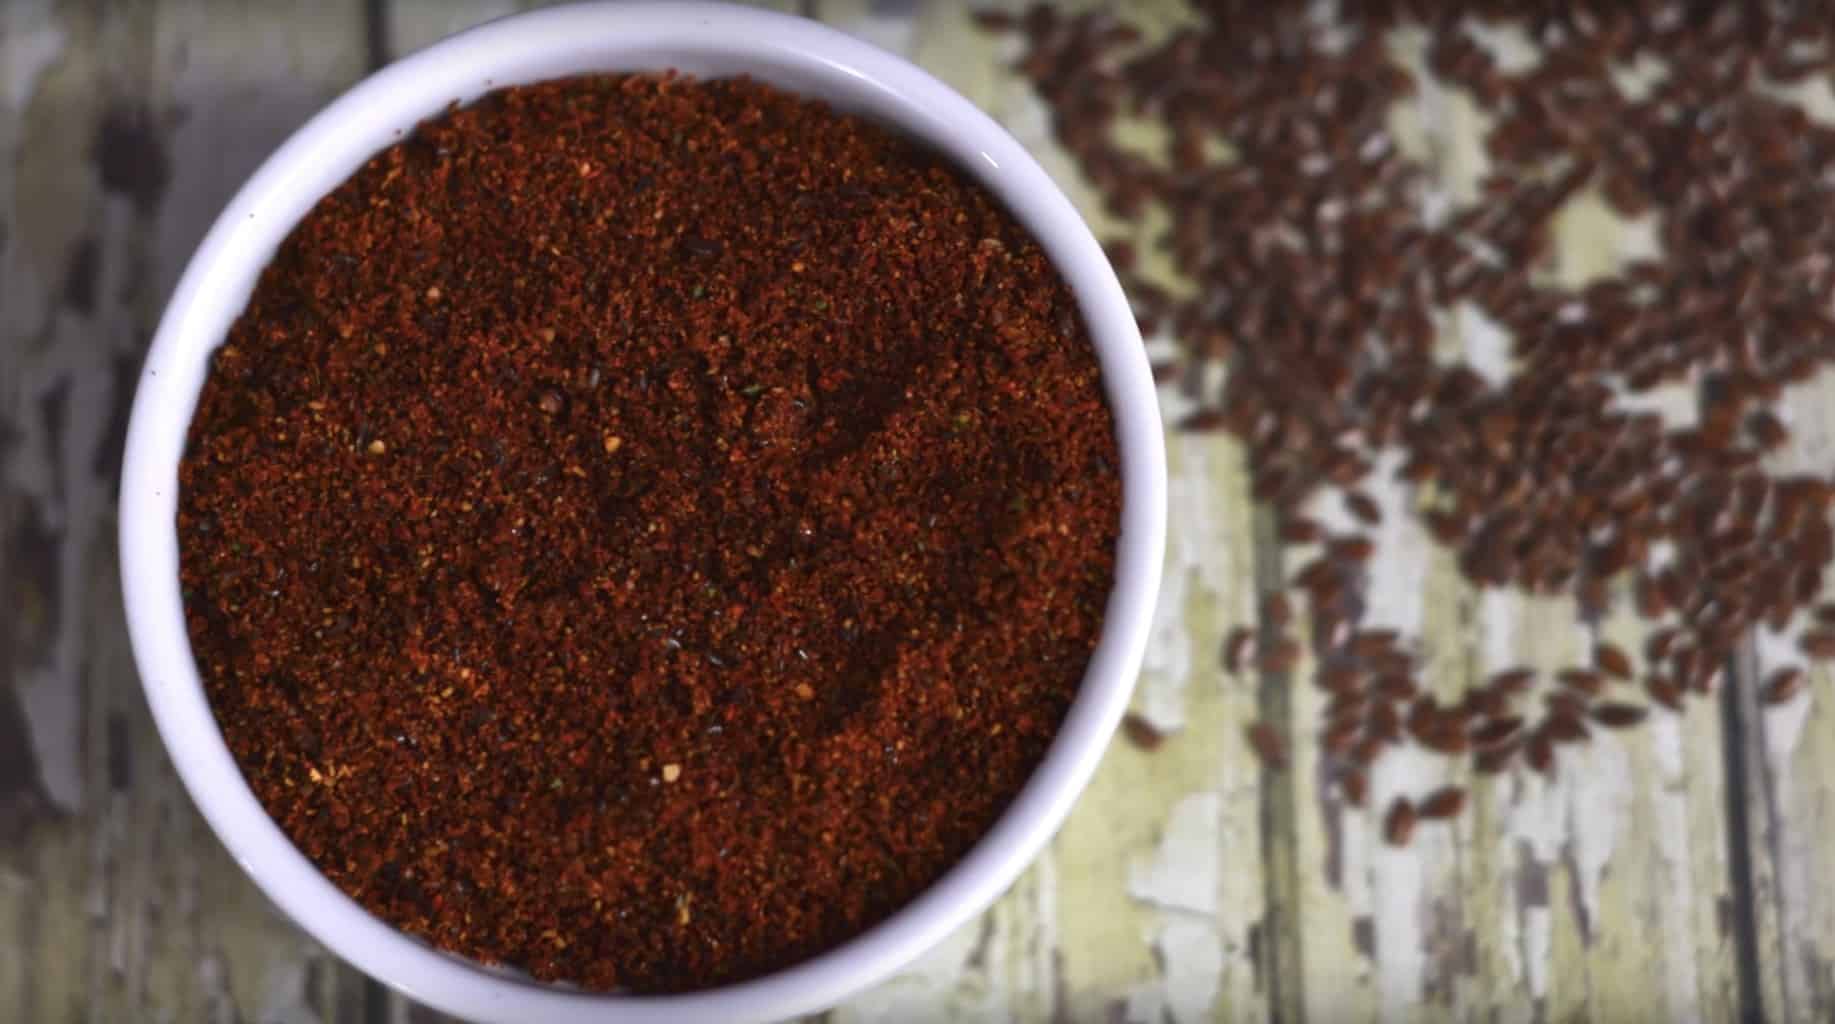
643 531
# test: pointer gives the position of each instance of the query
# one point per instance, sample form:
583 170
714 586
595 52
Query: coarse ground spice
643 531
1323 275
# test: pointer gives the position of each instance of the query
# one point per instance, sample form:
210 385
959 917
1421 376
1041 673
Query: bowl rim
354 127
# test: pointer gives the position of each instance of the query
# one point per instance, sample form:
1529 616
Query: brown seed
551 402
1445 802
1583 680
1280 656
1539 753
1615 715
1300 530
1661 689
1512 680
1484 702
1767 429
1396 687
1268 484
1268 744
1351 549
1446 738
1497 732
1782 685
1566 702
1818 643
1565 727
1446 528
1142 733
1235 646
1496 759
1353 784
1363 507
1337 678
1373 643
1658 644
1399 822
1341 735
1424 715
1612 660
1314 574
1392 662
1366 750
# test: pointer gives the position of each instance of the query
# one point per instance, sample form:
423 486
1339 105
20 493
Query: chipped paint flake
1181 872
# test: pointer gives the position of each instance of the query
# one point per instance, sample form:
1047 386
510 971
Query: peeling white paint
1192 953
1487 343
1181 872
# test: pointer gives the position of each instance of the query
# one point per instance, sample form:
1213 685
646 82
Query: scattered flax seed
1565 726
376 447
1268 744
1782 685
1363 507
804 691
1582 680
1539 752
1142 733
1399 822
1543 481
1281 656
1618 716
612 443
1497 732
1661 689
672 772
1442 803
1611 660
1354 785
1300 530
1818 643
1512 680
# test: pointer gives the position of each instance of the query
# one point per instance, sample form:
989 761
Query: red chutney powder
643 530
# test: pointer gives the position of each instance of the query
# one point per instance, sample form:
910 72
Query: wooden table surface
1683 871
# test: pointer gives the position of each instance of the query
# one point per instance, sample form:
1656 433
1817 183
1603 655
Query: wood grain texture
124 131
1789 748
1189 884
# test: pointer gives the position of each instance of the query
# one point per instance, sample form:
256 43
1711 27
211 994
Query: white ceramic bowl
703 39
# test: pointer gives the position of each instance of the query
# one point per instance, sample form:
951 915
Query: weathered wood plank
1540 903
1789 747
123 132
